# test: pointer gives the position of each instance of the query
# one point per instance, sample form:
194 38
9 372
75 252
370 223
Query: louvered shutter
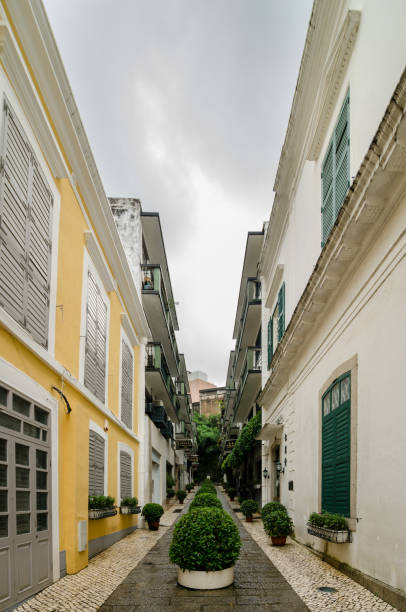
336 455
96 464
127 367
125 475
25 233
95 345
270 341
336 171
281 312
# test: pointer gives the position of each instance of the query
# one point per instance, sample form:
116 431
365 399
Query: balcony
184 401
250 384
158 380
249 324
158 311
156 411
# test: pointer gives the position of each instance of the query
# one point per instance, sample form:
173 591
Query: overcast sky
185 104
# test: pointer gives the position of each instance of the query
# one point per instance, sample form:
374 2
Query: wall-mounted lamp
265 473
106 425
278 466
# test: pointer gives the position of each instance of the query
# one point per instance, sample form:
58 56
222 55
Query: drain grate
327 589
178 509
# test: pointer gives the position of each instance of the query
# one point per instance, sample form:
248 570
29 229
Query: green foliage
205 539
206 500
277 524
189 487
152 512
181 494
244 443
273 507
170 493
232 491
129 501
249 507
208 435
329 521
98 502
170 481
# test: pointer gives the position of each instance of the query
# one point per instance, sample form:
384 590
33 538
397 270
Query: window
125 475
336 446
127 378
96 340
276 324
335 173
25 232
96 463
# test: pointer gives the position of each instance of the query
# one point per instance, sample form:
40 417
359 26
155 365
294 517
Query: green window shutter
270 341
281 312
336 448
335 173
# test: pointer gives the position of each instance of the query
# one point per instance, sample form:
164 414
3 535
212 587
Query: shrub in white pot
205 545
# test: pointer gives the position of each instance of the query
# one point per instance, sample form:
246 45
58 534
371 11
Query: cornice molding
129 330
337 64
380 182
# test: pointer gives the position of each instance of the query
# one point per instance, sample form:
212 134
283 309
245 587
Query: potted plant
278 525
101 506
272 507
232 493
205 500
205 546
248 508
170 493
181 494
330 527
129 505
152 514
189 487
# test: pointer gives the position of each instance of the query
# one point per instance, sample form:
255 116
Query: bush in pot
273 507
231 493
181 494
189 487
205 546
248 508
129 505
152 514
170 493
206 500
278 525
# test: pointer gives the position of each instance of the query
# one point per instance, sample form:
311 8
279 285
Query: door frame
11 377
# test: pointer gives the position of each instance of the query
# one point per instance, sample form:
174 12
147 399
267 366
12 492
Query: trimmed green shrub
189 487
205 500
170 493
181 494
98 502
205 539
206 490
329 521
232 492
129 501
249 507
170 481
152 512
277 524
273 507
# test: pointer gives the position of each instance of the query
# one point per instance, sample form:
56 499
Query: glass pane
42 501
41 415
22 454
31 430
335 397
22 500
44 435
42 459
22 478
3 450
3 396
42 480
326 405
3 475
345 389
10 422
21 405
23 523
3 500
3 526
42 521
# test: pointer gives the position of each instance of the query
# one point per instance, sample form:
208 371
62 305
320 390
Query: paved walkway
258 586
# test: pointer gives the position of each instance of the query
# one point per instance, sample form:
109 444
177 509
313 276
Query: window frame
124 338
100 431
121 446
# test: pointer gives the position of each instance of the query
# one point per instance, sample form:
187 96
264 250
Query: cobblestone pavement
258 585
87 590
305 572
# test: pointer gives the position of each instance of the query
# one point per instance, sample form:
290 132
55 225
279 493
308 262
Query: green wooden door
336 447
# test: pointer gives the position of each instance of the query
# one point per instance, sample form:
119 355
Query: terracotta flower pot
278 540
232 498
153 525
248 519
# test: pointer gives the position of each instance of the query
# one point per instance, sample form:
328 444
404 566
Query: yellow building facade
72 327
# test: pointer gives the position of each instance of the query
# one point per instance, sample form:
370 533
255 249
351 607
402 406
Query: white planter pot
206 580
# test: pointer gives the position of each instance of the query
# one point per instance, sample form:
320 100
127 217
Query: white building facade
333 278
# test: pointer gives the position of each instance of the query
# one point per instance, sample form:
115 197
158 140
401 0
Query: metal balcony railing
155 358
253 363
253 293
